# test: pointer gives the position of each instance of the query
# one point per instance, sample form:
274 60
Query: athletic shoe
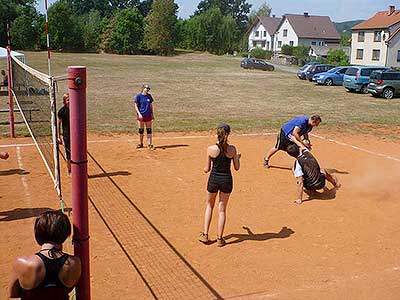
138 146
203 238
151 147
69 173
266 165
220 242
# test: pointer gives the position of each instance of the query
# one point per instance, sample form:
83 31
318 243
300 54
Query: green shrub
259 53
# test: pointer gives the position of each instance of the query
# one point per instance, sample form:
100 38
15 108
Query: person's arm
15 288
306 141
152 110
59 139
207 168
297 142
296 134
236 159
299 199
137 110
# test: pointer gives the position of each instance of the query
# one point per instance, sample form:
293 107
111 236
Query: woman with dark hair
144 116
50 273
220 156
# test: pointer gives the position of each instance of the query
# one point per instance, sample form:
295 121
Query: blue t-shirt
144 104
301 122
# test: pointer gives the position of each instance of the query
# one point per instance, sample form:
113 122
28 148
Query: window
314 43
360 53
257 33
279 44
284 32
265 33
262 44
254 43
267 45
376 54
377 36
398 56
291 43
321 44
361 36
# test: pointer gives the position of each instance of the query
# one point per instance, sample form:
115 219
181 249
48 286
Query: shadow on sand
13 172
24 213
118 173
285 232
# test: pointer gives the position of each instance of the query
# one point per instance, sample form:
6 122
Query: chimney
306 14
391 9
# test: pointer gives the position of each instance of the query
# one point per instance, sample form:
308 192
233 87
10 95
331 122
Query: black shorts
223 183
319 185
282 142
67 145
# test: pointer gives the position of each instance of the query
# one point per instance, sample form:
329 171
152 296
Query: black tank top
51 288
311 169
221 164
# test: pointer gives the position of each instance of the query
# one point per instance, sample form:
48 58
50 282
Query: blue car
356 78
332 77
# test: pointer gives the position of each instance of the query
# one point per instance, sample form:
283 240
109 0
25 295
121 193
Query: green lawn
195 91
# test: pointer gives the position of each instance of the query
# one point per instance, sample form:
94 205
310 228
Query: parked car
317 69
357 78
253 63
301 73
384 84
332 77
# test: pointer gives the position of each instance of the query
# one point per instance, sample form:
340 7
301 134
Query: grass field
195 91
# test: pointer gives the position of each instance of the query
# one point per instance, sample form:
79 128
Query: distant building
306 30
376 41
261 33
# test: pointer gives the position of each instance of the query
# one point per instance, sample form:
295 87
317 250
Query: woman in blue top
220 180
144 115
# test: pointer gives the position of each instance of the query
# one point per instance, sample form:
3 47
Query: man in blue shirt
299 128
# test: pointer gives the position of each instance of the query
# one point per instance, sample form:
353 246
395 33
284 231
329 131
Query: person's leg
209 210
222 204
331 178
67 146
280 138
141 132
149 134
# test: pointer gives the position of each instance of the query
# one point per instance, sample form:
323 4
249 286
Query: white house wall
285 40
252 37
368 46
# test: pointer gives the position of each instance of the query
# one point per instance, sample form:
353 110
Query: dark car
317 69
301 73
253 63
384 84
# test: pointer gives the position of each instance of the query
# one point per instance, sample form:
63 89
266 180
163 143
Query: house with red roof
306 30
262 32
376 41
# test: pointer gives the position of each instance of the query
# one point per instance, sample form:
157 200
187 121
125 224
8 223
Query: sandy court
336 246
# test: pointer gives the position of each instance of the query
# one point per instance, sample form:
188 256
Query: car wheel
350 90
329 82
388 93
364 89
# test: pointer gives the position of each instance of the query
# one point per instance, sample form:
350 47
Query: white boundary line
357 148
23 179
245 134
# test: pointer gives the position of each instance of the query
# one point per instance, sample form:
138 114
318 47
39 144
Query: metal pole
77 95
9 80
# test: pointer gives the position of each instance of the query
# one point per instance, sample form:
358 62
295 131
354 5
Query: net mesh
34 95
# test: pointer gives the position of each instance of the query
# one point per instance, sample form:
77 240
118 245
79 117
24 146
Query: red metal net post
77 106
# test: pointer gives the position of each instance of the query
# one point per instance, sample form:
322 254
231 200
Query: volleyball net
35 95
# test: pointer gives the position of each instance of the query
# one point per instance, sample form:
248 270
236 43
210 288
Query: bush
287 50
337 57
260 53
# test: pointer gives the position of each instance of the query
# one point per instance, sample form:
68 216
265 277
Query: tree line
129 26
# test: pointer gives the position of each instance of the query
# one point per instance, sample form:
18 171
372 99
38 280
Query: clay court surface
147 208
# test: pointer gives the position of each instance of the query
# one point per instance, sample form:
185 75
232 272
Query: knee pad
141 130
148 130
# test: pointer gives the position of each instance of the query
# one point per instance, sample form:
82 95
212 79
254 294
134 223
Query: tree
25 33
337 57
159 32
145 7
345 39
124 34
211 31
263 11
238 9
64 31
92 25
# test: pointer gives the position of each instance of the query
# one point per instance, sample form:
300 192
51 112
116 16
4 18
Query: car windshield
304 67
351 71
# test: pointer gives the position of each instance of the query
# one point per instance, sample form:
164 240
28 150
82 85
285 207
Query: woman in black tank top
220 180
48 274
